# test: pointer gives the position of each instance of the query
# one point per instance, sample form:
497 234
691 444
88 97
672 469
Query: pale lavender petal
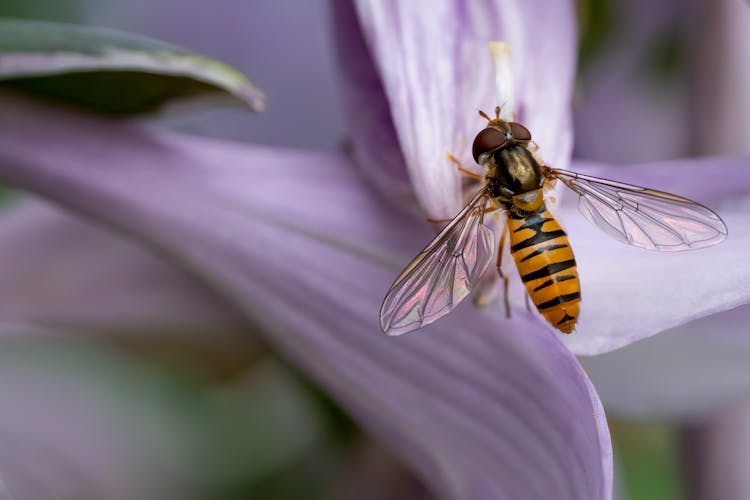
686 374
629 293
436 69
97 281
480 407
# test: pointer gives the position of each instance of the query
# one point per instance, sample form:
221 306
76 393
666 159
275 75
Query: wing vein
443 274
643 217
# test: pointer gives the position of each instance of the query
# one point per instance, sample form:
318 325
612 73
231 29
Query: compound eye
520 133
485 141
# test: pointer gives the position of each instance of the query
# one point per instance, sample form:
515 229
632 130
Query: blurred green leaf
257 433
596 24
666 60
111 72
649 454
291 445
50 10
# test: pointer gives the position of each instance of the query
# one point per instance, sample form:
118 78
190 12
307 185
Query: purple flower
691 102
302 248
477 409
691 372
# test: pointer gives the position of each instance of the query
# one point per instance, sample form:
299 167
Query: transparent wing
443 274
644 217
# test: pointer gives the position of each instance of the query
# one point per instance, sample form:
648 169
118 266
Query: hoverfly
447 270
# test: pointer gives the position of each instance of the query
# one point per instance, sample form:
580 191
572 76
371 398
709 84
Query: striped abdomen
547 267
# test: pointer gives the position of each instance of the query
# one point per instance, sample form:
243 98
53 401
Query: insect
447 270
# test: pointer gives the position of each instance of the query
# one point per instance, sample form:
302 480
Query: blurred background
670 78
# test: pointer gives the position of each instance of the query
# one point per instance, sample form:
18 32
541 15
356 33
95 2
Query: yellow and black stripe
547 267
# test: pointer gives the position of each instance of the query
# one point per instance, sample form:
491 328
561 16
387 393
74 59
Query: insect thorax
512 171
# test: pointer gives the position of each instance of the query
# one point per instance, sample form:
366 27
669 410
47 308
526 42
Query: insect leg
528 305
499 265
438 221
461 169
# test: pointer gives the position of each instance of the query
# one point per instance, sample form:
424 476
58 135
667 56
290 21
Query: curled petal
479 407
629 293
686 374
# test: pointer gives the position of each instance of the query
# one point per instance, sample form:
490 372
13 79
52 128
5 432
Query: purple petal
495 410
436 70
695 371
629 293
95 280
686 374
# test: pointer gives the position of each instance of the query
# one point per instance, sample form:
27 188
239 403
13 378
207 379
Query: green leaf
111 72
